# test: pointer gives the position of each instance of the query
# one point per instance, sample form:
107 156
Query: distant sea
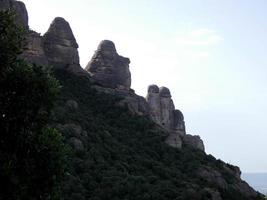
256 180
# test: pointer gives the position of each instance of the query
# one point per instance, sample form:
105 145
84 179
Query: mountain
257 180
124 146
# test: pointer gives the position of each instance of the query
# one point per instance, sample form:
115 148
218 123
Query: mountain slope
118 155
118 150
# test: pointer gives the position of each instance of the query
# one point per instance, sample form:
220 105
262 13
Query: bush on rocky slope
117 155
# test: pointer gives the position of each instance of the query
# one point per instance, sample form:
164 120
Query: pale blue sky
210 53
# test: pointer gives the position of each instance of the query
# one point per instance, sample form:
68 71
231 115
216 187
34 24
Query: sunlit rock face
162 110
108 68
20 9
163 113
60 45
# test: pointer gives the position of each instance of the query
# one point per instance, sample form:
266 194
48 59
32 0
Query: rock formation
193 141
34 51
20 9
108 68
111 73
60 45
58 48
162 110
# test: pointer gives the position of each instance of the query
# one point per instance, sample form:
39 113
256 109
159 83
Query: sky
211 54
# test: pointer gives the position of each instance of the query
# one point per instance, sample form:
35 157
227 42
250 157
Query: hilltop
124 146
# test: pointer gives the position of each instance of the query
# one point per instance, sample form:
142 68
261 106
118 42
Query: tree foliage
32 155
125 156
11 40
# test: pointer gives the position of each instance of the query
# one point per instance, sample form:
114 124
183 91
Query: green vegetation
116 155
124 156
32 154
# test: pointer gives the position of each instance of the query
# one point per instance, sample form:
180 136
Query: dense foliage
124 156
11 40
32 155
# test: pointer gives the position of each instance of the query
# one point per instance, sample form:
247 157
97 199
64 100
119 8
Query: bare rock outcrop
193 141
60 44
57 48
34 51
108 68
111 73
20 9
162 110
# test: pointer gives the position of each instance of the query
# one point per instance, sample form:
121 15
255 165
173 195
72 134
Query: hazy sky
211 54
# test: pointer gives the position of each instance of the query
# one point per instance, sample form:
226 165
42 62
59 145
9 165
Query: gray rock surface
162 110
34 51
193 141
20 9
108 68
163 113
178 122
153 100
174 140
166 108
60 45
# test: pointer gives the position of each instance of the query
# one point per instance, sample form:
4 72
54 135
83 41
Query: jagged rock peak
164 92
160 105
153 89
60 30
108 68
108 48
20 9
60 44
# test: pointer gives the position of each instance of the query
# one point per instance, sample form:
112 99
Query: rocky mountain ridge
109 73
58 48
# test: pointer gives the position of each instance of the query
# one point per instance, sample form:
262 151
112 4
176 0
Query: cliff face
112 144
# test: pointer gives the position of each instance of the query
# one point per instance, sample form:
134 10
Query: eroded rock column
60 44
108 68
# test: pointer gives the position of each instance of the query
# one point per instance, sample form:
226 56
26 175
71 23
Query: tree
11 40
32 154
